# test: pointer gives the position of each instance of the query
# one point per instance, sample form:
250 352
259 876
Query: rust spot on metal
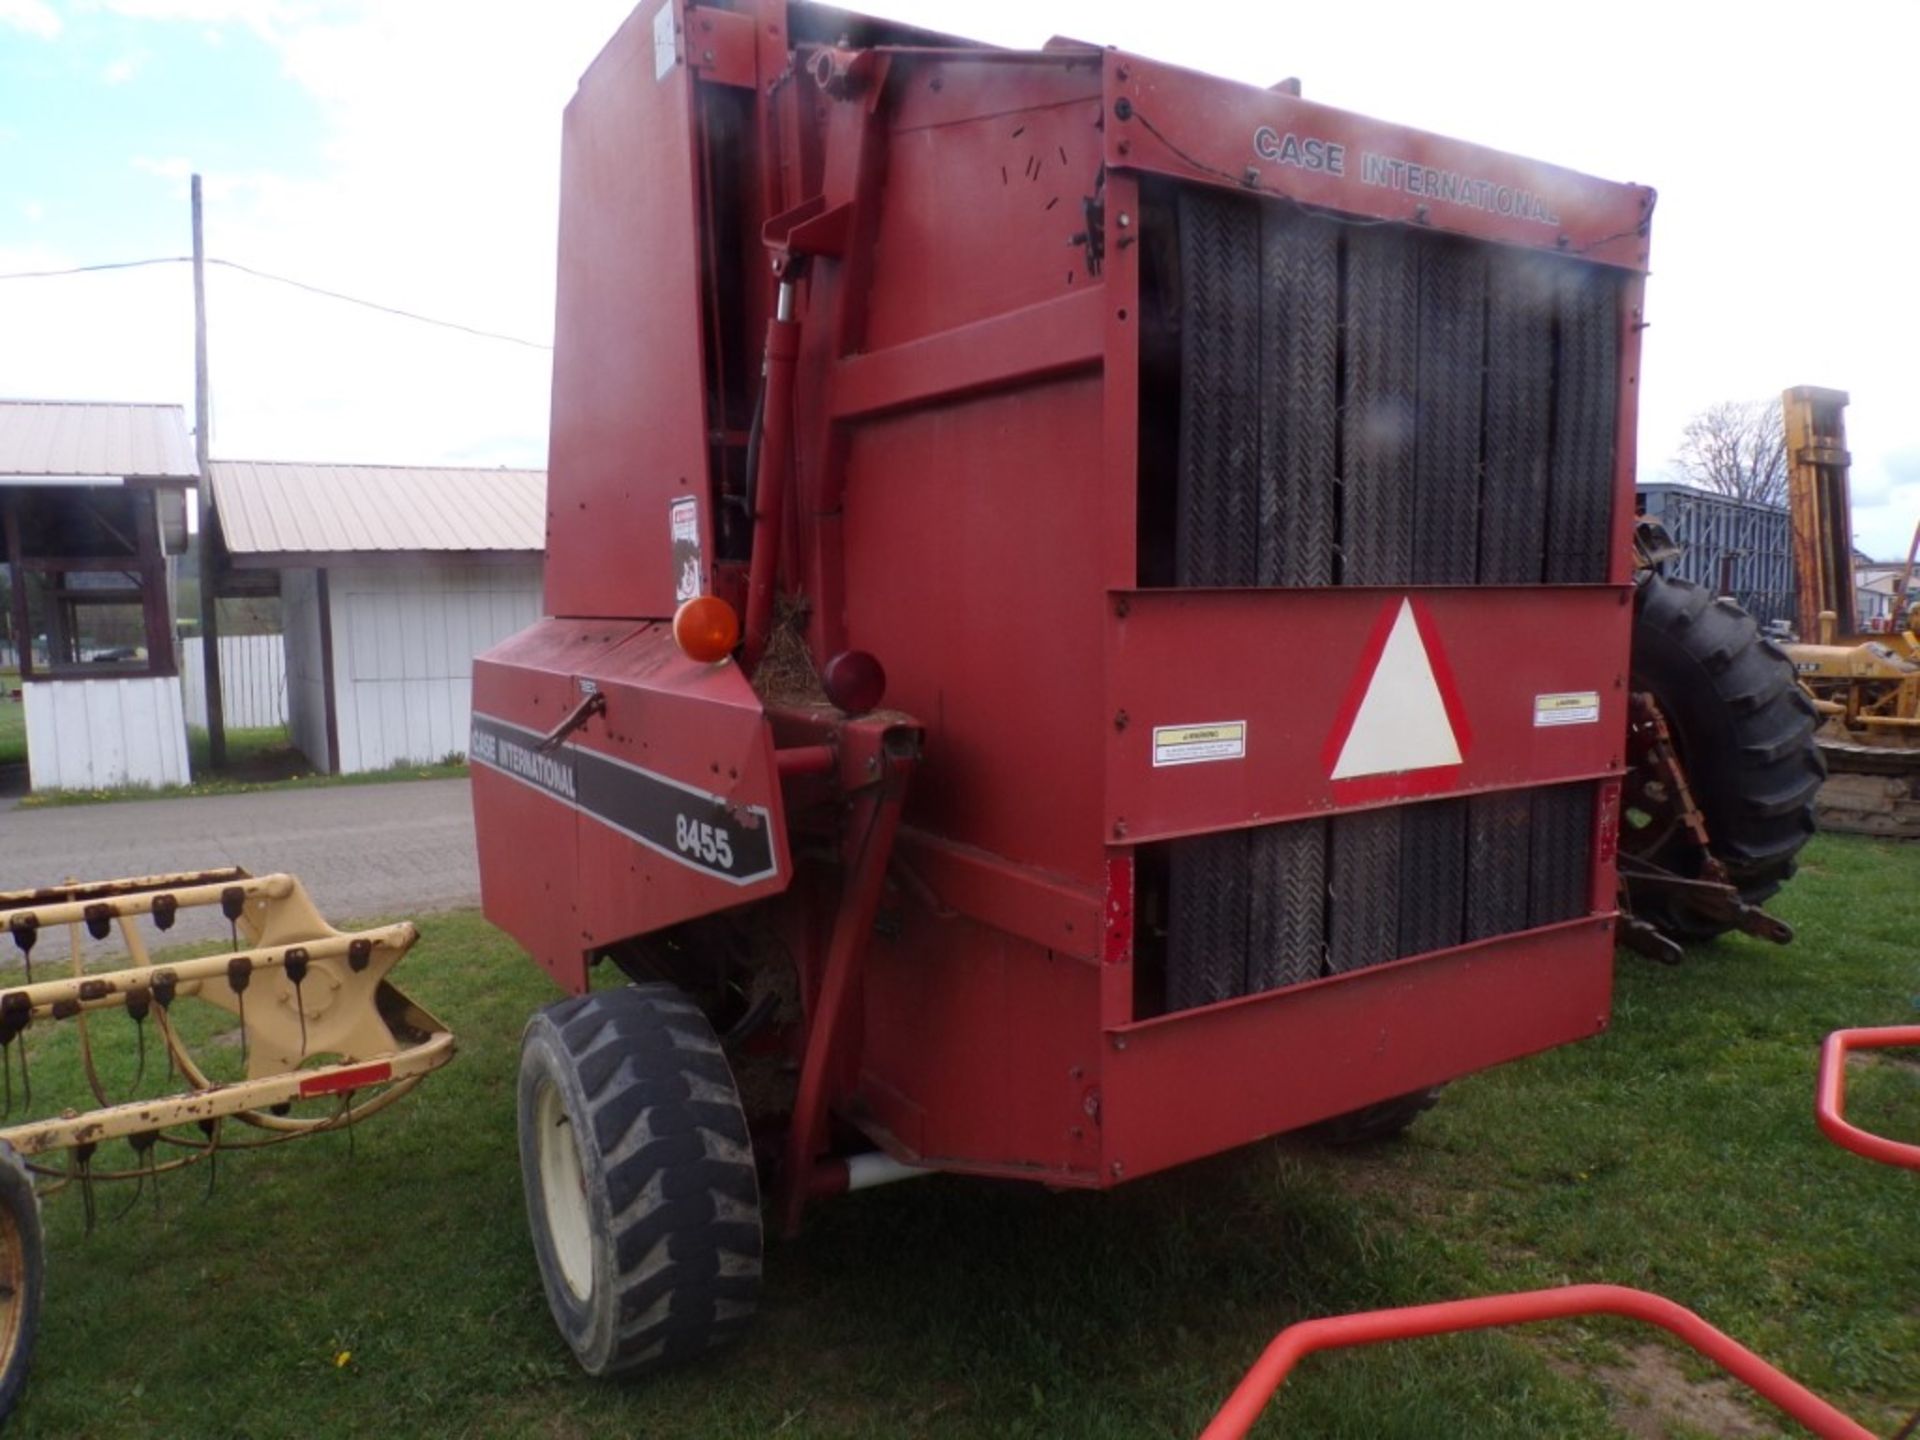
99 917
95 989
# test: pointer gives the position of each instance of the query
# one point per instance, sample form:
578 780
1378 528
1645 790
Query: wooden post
209 527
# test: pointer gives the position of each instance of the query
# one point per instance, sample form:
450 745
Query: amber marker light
706 629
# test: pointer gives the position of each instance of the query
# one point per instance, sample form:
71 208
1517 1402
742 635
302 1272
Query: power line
283 280
375 305
88 269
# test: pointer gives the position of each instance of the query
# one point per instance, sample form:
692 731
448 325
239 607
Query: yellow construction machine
1865 684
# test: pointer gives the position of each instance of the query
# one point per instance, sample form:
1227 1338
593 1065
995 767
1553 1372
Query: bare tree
1738 448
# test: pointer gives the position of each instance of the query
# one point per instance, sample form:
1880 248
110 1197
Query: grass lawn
262 759
392 1291
13 729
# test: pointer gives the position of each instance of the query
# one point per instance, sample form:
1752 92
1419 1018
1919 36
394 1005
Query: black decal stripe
641 804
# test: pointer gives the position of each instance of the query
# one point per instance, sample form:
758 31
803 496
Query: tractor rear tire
639 1176
1373 1124
23 1268
1743 730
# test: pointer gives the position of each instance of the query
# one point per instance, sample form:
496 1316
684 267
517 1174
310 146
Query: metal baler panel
1302 688
629 426
658 804
1182 1086
1169 121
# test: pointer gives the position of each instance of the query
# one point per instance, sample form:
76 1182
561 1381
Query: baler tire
1373 1124
641 1191
1743 730
23 1266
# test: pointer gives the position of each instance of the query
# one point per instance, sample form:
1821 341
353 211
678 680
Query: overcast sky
407 151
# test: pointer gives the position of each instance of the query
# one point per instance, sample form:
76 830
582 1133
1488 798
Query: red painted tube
1830 1106
1336 1332
806 760
876 819
770 485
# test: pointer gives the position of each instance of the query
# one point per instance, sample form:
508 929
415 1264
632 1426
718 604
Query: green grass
258 759
1676 1152
13 728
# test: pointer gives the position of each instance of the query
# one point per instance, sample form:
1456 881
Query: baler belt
1377 410
1207 917
1298 399
1581 499
1287 904
1217 531
1363 909
1518 422
1497 863
1560 836
1433 876
1453 282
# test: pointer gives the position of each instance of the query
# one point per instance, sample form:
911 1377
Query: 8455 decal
703 841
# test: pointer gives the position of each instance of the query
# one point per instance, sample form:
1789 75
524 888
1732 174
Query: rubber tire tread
670 1177
1744 732
22 1204
1373 1124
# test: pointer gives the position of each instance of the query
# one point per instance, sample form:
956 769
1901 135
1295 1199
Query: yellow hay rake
317 1021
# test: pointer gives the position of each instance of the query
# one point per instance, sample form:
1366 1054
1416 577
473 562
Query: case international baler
1180 537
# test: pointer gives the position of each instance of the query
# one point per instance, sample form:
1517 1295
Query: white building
392 579
92 502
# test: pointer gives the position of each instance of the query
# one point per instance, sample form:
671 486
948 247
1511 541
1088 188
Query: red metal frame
1296 1342
1337 1332
1831 1100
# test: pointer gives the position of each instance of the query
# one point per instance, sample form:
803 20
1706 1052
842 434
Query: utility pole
209 528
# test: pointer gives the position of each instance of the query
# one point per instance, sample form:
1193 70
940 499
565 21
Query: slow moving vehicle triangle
1401 730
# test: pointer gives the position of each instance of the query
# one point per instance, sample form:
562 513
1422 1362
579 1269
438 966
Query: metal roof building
92 502
273 509
87 439
391 579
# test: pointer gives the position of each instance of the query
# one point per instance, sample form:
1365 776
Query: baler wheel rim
563 1184
22 1276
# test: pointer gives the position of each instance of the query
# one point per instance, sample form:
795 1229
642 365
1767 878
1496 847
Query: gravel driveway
397 850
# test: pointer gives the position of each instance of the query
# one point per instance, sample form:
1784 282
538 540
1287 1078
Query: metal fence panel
253 681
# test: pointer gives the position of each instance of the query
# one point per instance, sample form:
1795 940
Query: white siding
404 639
253 681
306 670
93 734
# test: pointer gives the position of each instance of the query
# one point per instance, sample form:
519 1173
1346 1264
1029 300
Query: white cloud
118 72
34 211
35 17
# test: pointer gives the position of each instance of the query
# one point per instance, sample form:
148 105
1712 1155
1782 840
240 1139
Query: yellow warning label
1577 707
1192 744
